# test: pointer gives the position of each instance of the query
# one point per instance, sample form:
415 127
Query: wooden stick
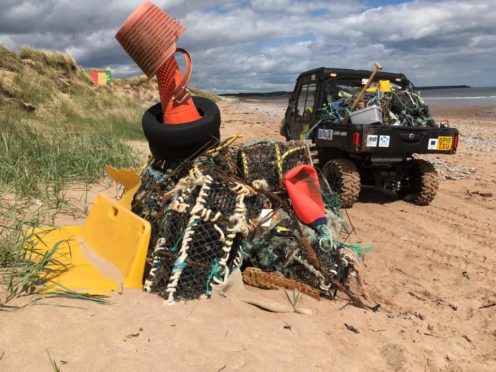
377 67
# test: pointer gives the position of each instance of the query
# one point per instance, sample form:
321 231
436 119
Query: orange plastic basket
149 36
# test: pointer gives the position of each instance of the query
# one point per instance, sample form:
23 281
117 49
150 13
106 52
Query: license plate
444 143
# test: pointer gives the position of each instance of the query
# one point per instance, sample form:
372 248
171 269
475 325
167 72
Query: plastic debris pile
382 103
227 209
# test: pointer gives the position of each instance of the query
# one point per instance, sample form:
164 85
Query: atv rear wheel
422 183
344 179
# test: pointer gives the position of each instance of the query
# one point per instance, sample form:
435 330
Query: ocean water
461 96
433 97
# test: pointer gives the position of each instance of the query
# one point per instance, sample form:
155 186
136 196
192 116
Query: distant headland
432 87
287 94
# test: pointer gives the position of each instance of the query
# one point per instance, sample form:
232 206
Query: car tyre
422 183
343 178
180 141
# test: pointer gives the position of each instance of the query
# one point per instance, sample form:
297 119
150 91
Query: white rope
238 225
222 237
188 237
322 282
160 246
187 184
238 260
261 184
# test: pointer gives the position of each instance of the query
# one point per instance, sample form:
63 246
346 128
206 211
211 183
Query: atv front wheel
344 179
421 184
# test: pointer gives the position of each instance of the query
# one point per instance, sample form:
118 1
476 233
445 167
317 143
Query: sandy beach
432 269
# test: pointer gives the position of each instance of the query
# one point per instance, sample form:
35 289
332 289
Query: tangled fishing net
401 107
227 210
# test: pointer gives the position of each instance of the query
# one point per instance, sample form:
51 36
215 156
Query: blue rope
179 266
157 176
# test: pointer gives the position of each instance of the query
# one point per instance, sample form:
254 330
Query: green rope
173 249
326 243
213 272
332 201
357 248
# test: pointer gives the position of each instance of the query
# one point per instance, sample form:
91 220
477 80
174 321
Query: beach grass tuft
39 164
54 365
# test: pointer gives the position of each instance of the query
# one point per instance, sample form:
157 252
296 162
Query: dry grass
204 93
136 81
58 127
56 60
9 60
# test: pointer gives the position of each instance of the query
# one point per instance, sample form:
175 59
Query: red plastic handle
180 93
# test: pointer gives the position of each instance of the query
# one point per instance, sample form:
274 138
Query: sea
461 97
485 96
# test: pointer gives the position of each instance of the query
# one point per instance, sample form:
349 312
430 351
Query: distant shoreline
435 87
257 94
283 93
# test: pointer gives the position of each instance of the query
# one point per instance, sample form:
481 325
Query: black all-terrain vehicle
370 142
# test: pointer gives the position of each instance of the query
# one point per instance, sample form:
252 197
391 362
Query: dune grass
53 364
39 164
54 59
9 60
56 128
24 267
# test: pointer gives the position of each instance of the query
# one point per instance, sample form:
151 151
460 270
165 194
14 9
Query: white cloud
252 45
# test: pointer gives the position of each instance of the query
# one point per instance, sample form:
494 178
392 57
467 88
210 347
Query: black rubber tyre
174 142
422 183
344 179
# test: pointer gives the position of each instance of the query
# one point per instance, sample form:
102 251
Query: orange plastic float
303 187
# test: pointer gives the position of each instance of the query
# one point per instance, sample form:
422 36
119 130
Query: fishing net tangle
206 221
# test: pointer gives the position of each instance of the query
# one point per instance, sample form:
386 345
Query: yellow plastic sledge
107 253
129 179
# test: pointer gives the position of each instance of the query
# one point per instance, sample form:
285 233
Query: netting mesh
208 219
268 161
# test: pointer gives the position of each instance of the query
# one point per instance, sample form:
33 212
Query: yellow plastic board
107 253
129 179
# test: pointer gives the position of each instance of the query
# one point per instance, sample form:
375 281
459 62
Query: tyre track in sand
444 250
431 268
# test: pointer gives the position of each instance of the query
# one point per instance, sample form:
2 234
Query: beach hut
99 76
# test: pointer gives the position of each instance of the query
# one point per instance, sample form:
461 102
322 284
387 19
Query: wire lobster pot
208 219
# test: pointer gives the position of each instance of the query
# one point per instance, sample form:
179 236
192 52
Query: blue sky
262 45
